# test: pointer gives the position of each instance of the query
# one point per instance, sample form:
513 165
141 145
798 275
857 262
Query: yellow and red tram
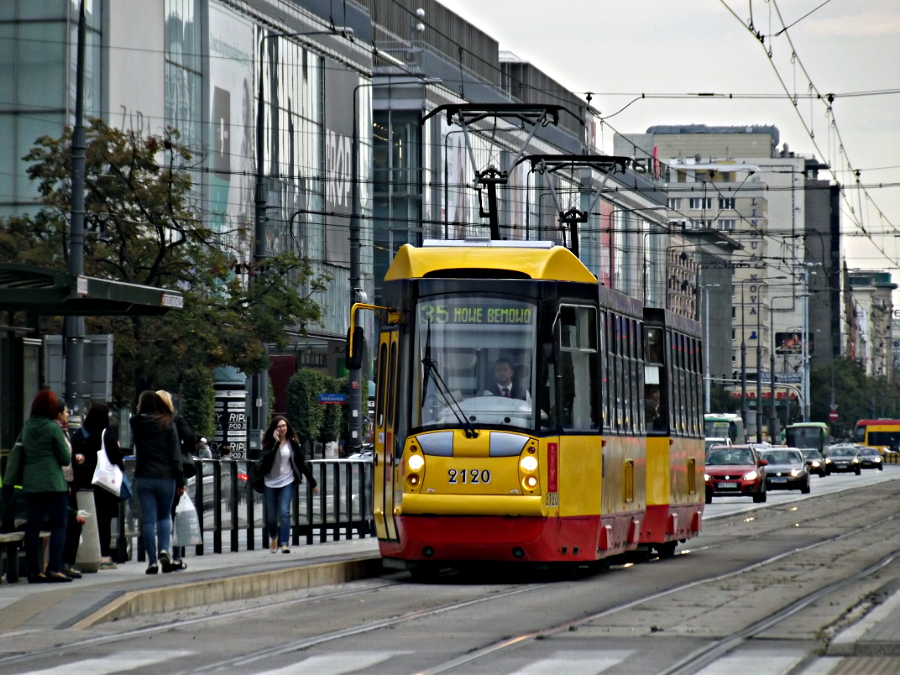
510 412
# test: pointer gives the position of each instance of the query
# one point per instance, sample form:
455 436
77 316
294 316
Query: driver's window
578 367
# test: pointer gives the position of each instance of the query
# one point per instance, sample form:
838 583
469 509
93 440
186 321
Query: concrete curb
242 587
850 642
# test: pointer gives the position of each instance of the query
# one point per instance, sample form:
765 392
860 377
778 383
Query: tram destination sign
473 313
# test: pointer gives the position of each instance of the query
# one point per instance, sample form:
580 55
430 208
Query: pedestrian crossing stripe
584 662
120 662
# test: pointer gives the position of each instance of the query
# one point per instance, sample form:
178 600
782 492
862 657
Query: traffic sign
833 416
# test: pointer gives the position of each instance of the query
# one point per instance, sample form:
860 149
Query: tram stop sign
833 416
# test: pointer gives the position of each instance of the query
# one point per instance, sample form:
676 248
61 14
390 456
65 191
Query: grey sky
689 46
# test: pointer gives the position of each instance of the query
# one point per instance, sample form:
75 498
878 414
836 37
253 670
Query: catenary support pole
74 325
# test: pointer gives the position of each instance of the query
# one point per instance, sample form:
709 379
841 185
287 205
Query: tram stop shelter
39 291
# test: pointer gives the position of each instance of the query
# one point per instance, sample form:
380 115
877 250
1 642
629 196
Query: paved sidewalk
210 578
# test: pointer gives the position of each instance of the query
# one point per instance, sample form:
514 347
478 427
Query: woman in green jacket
44 454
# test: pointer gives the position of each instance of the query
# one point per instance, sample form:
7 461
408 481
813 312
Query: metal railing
232 514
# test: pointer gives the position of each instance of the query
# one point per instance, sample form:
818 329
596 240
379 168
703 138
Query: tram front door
385 437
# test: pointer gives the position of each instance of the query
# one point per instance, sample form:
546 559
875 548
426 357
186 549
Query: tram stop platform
129 591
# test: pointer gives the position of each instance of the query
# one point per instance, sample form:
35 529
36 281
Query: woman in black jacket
87 441
283 465
157 475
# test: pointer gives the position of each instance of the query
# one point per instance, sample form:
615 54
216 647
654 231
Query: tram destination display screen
512 313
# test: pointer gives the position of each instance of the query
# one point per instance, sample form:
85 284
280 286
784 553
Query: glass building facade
38 54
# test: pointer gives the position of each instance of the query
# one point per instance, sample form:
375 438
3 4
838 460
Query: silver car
787 470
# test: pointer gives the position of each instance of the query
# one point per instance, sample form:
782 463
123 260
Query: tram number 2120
468 477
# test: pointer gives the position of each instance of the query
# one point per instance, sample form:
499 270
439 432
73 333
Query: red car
735 471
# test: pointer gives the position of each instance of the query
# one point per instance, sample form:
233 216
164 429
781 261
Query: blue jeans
54 504
278 512
155 496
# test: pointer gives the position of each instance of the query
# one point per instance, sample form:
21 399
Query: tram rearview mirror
357 341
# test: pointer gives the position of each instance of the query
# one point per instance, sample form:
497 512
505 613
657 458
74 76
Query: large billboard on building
232 126
340 87
792 343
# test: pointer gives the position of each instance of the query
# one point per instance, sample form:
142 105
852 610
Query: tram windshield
474 362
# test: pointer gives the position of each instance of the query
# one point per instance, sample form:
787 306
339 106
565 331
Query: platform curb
240 587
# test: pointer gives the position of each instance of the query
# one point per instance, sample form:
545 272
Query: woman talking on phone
283 464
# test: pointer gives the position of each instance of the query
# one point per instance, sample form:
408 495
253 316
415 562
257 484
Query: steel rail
526 638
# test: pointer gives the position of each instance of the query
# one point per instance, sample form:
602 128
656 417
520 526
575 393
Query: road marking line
755 662
582 662
334 664
114 663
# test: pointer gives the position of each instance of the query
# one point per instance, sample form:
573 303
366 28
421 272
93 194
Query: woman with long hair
283 464
94 433
158 476
187 446
45 452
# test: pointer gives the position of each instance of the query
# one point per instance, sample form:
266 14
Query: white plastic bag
107 475
187 524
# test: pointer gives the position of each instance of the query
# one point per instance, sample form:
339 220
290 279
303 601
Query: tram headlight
415 462
414 479
750 475
531 482
529 463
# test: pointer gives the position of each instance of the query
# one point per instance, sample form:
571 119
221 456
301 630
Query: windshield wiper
431 371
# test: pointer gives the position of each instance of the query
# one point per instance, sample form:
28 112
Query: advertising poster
340 84
792 343
232 128
231 423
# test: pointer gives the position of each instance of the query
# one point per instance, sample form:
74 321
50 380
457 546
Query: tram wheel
666 550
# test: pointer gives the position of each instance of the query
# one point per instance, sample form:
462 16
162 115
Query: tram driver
506 383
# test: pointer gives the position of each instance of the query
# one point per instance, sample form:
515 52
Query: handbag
125 490
107 475
15 465
187 524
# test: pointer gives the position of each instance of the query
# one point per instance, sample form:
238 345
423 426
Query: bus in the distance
806 435
881 434
725 425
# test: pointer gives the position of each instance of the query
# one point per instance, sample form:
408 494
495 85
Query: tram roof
515 259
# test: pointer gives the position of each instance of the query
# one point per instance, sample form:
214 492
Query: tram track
510 643
500 646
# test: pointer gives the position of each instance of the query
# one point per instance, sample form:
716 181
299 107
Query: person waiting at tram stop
505 384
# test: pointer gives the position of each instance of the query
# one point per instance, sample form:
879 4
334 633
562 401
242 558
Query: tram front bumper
471 505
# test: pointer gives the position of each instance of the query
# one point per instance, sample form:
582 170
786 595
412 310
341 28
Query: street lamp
706 378
354 400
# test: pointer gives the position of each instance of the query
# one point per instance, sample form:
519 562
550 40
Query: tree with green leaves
144 227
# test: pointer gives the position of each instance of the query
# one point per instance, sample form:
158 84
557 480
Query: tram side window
698 388
639 371
391 402
578 367
381 386
682 381
654 394
670 382
620 378
604 371
626 368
